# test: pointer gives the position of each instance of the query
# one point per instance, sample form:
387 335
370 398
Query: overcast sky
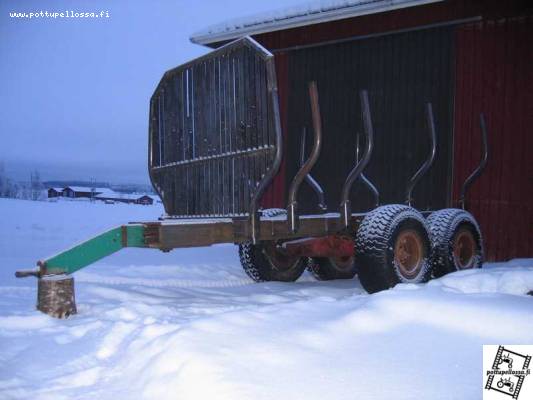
74 92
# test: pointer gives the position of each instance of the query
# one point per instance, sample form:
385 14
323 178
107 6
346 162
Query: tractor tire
264 262
392 246
456 241
330 268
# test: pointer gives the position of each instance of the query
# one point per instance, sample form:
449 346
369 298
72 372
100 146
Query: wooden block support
55 296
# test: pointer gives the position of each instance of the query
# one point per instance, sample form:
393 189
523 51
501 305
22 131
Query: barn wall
274 196
402 72
491 72
495 75
404 18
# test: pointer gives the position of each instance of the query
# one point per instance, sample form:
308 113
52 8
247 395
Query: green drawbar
94 249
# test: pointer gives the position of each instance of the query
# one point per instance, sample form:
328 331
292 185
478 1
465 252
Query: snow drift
191 325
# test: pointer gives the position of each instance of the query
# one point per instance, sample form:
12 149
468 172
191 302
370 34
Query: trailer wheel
330 268
455 240
392 246
266 262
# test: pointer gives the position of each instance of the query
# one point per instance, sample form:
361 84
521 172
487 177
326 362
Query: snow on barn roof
88 189
105 192
79 188
312 12
125 196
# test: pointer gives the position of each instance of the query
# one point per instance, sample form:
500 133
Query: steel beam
92 250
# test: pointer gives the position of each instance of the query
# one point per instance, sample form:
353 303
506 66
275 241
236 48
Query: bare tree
3 180
12 189
93 189
36 187
7 187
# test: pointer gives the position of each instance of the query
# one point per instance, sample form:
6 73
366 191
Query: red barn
463 56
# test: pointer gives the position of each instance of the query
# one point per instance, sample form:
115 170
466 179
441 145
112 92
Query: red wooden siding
274 196
404 18
494 74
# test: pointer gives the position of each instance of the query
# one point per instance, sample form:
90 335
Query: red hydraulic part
333 246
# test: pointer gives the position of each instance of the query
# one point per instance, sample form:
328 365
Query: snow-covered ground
190 325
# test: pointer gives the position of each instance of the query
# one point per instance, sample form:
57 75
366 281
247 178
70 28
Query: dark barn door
402 72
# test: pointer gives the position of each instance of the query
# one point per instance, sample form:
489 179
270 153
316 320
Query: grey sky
74 92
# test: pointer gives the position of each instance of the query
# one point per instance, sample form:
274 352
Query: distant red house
102 194
82 191
55 192
145 200
128 198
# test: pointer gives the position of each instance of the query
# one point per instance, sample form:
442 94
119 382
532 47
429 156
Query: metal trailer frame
327 229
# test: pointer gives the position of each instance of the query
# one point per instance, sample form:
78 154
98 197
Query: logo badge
507 372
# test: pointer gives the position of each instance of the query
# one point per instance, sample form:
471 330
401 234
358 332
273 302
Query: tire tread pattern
259 269
376 270
442 225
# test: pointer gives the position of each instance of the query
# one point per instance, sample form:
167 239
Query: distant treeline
75 183
32 190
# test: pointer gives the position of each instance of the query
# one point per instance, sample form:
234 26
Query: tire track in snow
171 283
156 283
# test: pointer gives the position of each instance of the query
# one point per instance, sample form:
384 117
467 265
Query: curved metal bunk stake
372 187
427 164
263 184
345 206
366 181
292 207
309 178
483 163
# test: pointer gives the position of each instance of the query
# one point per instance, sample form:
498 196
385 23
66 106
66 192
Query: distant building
106 195
145 200
55 192
128 198
84 191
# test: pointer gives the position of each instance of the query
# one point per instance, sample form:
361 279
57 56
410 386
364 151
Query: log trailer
215 145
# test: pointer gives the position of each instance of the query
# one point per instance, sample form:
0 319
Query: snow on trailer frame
215 144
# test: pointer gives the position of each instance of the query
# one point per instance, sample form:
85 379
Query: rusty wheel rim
278 258
408 253
464 249
343 263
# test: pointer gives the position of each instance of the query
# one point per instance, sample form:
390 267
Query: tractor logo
506 358
506 382
508 372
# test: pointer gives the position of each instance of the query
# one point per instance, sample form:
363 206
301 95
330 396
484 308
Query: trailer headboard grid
212 137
